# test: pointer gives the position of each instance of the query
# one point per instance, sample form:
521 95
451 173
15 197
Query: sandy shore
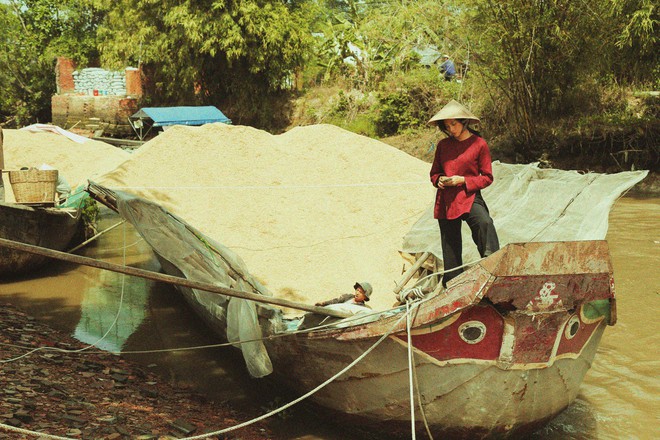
95 395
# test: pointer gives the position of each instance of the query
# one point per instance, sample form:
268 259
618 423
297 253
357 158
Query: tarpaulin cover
530 204
164 116
199 258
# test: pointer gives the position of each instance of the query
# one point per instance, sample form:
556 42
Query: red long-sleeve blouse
469 158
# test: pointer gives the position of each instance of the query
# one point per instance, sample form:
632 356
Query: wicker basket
33 185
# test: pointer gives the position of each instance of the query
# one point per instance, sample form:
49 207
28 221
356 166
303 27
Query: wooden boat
48 227
498 353
501 351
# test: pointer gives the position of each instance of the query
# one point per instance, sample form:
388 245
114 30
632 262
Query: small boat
48 227
499 352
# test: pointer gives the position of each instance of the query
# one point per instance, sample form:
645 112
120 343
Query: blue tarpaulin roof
197 115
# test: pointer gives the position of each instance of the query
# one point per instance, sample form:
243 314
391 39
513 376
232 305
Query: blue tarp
198 115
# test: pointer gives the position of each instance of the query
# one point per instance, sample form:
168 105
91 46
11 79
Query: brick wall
64 69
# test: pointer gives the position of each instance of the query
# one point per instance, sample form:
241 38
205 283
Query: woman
461 169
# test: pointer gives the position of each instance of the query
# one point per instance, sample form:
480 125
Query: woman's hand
450 181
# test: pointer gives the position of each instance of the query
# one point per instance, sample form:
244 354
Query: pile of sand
75 162
310 211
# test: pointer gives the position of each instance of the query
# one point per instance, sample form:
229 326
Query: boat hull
51 228
468 399
524 368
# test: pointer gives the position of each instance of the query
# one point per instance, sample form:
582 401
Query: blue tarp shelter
164 116
149 117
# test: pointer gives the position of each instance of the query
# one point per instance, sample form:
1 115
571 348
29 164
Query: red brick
64 75
134 82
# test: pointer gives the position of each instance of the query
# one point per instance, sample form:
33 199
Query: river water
619 398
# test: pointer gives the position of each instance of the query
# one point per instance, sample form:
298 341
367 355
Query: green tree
240 56
34 33
634 31
530 55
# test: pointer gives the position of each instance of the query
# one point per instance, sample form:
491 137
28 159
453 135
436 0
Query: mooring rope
343 322
310 393
409 310
416 381
95 344
442 272
41 435
410 372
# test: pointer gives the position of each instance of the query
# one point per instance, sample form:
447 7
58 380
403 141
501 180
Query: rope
410 372
42 435
409 310
34 433
442 272
70 213
410 294
414 383
412 366
80 350
308 394
348 320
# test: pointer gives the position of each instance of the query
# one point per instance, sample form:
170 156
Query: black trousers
483 234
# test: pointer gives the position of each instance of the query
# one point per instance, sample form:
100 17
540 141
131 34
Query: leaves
225 53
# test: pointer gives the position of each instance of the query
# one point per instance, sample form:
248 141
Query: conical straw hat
453 110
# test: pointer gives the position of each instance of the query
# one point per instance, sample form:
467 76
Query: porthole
572 327
472 332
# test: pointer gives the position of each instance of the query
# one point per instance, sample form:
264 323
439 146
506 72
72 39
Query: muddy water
619 397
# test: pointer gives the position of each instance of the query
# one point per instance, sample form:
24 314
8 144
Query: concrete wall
91 110
107 113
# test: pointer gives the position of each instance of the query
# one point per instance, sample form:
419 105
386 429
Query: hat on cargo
366 287
453 110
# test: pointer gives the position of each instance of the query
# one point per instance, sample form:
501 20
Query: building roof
187 115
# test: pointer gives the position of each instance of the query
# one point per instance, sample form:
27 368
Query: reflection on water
618 394
112 311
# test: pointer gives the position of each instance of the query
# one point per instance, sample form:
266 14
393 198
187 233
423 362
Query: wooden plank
410 272
130 143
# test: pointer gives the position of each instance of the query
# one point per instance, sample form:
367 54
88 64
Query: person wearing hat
447 68
461 169
361 295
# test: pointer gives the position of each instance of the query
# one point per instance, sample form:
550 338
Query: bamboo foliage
536 57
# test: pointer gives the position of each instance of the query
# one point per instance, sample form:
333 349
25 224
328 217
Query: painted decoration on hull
535 340
476 333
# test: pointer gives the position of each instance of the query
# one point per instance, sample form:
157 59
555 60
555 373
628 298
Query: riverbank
421 144
68 392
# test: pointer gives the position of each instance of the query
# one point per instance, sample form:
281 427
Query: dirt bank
95 395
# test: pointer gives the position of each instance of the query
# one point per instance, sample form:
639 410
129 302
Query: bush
408 99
